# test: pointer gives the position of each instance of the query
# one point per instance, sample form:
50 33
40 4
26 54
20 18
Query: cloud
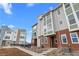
11 26
50 8
6 7
30 4
3 24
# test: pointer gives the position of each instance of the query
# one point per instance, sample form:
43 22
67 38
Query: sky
23 15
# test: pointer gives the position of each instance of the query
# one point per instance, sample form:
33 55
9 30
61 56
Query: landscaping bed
12 52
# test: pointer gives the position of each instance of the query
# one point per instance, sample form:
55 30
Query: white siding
8 34
24 35
59 18
14 36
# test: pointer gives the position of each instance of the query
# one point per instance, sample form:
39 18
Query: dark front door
35 41
53 42
3 43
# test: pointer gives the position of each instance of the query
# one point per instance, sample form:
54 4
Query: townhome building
59 27
20 37
34 35
6 35
10 36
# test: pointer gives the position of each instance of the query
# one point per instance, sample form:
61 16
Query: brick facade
59 44
34 42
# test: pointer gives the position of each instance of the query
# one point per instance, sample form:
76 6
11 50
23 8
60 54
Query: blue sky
23 15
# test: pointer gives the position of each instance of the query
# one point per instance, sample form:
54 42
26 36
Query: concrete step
49 50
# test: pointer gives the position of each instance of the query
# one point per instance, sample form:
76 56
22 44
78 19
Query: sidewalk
29 52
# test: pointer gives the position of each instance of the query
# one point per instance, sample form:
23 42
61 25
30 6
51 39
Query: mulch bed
12 52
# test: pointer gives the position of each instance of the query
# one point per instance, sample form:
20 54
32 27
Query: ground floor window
64 39
74 37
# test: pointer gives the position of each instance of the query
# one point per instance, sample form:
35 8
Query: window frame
76 14
58 11
68 18
74 8
77 38
62 39
67 9
7 37
66 6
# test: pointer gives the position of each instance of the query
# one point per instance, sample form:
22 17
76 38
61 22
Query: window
22 37
58 11
64 39
68 11
44 21
34 33
76 6
48 16
44 31
73 26
49 26
67 5
7 37
74 37
48 19
71 19
9 32
50 32
60 22
77 14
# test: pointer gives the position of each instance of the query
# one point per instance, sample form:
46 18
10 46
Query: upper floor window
58 11
49 26
48 18
74 37
34 33
71 19
76 6
22 37
45 30
7 37
69 10
77 14
64 39
67 5
44 21
9 32
60 22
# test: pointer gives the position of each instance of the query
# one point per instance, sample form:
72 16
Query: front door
53 42
35 42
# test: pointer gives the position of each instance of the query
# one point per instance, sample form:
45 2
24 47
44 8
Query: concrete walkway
30 52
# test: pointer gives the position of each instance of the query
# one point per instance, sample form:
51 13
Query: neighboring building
59 27
1 36
10 36
34 35
7 35
21 37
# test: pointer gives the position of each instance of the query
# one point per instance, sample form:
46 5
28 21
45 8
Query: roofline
53 9
35 24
